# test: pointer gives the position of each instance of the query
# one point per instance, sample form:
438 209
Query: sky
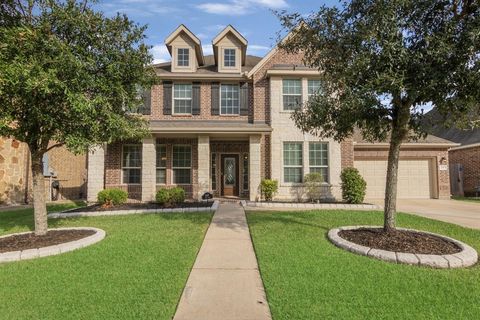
254 19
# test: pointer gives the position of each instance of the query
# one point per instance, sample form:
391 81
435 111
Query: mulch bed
400 241
143 206
31 241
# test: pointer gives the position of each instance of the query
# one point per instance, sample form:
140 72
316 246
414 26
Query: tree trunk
39 204
399 133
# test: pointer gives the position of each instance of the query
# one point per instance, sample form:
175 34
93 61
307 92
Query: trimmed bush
313 184
353 186
112 197
163 196
170 196
177 195
269 187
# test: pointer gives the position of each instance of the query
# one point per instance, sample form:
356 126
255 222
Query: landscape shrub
313 185
170 196
112 197
353 186
268 188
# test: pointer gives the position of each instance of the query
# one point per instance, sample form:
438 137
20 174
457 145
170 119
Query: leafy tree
70 75
381 61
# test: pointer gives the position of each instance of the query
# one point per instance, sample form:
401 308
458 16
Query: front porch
226 165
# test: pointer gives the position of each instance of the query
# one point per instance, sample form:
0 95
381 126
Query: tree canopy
381 62
71 75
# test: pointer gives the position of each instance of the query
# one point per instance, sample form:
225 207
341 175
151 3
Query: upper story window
132 164
182 98
229 57
313 87
183 57
292 94
229 99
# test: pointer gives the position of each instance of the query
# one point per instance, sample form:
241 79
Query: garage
414 178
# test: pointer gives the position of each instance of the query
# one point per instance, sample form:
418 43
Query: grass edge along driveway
137 272
307 277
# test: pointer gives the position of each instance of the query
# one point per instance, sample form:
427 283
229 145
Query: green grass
137 272
468 199
306 277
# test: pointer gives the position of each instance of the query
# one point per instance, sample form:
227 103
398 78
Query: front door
229 175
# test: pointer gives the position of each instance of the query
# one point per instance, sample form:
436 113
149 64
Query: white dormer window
183 57
229 57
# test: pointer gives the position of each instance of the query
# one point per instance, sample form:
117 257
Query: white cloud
256 47
207 49
240 7
160 53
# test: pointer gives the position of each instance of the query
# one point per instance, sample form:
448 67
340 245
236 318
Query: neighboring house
221 123
59 165
464 159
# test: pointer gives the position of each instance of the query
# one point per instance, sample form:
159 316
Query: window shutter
167 97
196 98
215 98
244 98
147 102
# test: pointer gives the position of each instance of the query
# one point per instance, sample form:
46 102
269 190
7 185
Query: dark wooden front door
230 172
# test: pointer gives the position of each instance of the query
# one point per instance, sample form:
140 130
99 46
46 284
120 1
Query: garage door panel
414 178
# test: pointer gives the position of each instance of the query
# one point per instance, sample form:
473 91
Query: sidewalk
225 283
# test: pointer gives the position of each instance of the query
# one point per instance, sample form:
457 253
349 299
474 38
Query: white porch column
255 165
148 169
203 165
95 173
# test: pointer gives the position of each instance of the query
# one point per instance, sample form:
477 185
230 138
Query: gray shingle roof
464 137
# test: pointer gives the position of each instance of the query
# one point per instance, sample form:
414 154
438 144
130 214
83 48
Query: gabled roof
464 137
230 29
183 29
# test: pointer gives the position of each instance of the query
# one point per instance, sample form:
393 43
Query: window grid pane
132 156
313 87
229 97
132 176
214 171
161 176
182 98
245 172
181 176
293 162
182 162
183 57
318 158
292 94
229 58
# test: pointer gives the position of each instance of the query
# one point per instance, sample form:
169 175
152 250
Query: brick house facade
469 158
221 124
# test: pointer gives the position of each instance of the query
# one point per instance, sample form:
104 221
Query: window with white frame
182 164
132 164
161 175
292 94
229 99
229 57
293 162
313 87
183 57
182 98
318 159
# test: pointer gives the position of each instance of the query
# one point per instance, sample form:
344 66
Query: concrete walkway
225 283
463 213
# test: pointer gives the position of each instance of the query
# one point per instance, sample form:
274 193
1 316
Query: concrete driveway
459 212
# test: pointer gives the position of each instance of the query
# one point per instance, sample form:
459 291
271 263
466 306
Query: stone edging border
69 214
307 206
52 250
465 258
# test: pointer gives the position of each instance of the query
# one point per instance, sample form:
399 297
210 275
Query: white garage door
414 178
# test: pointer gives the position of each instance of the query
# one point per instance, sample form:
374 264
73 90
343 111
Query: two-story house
221 123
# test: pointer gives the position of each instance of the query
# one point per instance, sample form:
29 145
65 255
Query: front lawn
306 277
137 272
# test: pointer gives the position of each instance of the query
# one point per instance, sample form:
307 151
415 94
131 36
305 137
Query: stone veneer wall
441 176
13 176
470 159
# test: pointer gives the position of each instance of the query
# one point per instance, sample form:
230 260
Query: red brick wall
205 106
261 83
470 159
443 178
347 154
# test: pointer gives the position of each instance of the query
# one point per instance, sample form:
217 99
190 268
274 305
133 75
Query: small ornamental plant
313 184
353 186
169 197
269 188
112 197
163 196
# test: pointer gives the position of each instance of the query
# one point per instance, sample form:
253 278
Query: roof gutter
363 145
460 147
